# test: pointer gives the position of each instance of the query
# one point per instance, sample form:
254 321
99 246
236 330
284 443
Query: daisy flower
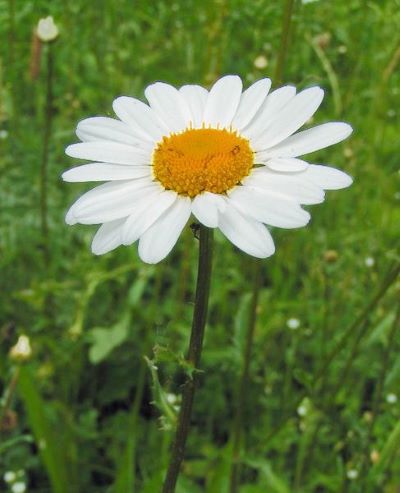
228 157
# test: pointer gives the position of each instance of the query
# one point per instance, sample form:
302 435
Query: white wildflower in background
22 350
293 323
9 477
391 398
352 474
302 410
18 487
3 134
226 156
47 30
261 62
369 262
171 398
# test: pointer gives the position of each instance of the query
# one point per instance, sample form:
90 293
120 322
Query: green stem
283 50
244 380
45 152
8 399
193 358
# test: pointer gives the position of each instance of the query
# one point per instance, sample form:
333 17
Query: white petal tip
96 250
71 150
68 176
347 180
266 254
70 219
347 130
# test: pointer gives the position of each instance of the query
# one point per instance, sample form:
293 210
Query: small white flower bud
9 477
22 350
261 62
47 30
391 398
18 487
352 474
293 323
369 262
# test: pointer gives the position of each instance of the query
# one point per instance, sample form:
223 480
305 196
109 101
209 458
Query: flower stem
286 22
244 379
193 357
45 151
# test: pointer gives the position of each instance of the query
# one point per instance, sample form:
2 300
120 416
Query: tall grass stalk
244 379
284 45
193 357
48 120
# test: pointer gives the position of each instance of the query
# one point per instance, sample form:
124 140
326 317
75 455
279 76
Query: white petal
207 207
109 152
149 210
196 98
269 207
269 110
294 115
140 117
169 106
160 238
247 234
223 101
105 172
295 186
103 128
108 237
311 140
250 102
328 178
285 165
69 217
112 200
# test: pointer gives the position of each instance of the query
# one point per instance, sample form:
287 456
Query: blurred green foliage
95 407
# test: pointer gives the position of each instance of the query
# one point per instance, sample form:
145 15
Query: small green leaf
104 340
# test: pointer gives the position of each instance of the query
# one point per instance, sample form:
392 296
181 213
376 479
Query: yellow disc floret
203 159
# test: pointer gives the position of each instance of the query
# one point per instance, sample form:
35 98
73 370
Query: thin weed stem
244 379
285 36
48 120
8 399
193 358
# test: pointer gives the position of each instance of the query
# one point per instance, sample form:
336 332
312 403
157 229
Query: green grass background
89 413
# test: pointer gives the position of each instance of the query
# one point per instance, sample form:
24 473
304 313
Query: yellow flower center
203 159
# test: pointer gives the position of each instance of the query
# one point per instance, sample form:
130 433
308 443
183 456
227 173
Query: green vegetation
95 407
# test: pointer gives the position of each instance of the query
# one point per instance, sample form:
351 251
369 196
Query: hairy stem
193 358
